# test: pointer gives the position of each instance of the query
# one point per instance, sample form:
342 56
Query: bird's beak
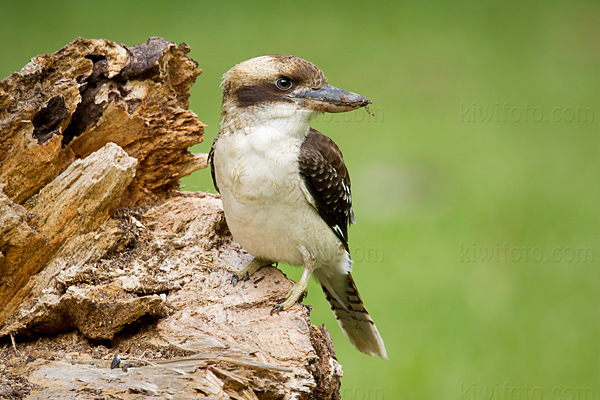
329 99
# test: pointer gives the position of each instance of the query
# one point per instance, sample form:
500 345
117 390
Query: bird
284 185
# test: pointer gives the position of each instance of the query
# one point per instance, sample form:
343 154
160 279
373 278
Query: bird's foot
245 274
299 288
276 309
296 294
235 278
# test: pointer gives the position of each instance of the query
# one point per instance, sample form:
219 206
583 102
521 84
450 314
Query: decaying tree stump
100 253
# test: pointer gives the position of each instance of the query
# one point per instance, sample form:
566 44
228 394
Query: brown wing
327 179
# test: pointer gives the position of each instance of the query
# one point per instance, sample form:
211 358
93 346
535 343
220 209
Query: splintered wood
100 253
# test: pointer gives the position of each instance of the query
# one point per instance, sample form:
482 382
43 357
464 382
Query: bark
100 253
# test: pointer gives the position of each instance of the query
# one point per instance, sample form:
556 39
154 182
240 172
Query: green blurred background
475 184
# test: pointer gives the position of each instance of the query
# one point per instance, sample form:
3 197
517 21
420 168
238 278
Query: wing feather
326 177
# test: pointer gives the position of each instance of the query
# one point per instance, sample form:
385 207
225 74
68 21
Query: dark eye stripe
265 92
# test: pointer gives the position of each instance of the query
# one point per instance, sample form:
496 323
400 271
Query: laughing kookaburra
285 187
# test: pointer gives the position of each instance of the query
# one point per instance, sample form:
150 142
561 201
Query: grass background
476 184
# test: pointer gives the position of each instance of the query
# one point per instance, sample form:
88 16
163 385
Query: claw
276 309
281 300
250 269
236 278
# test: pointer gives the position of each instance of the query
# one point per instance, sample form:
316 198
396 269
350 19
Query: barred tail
350 312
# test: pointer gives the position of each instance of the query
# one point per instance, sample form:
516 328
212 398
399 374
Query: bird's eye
284 83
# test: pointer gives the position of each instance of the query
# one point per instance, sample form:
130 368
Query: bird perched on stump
285 187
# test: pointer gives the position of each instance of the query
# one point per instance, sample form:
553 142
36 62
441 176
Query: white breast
265 199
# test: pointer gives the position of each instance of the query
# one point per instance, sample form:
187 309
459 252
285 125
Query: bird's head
287 82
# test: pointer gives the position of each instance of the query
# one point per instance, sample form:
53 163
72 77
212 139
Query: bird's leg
255 265
299 287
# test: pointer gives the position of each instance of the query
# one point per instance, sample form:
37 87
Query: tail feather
351 314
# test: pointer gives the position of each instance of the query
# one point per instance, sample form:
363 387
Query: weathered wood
66 105
99 248
76 202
